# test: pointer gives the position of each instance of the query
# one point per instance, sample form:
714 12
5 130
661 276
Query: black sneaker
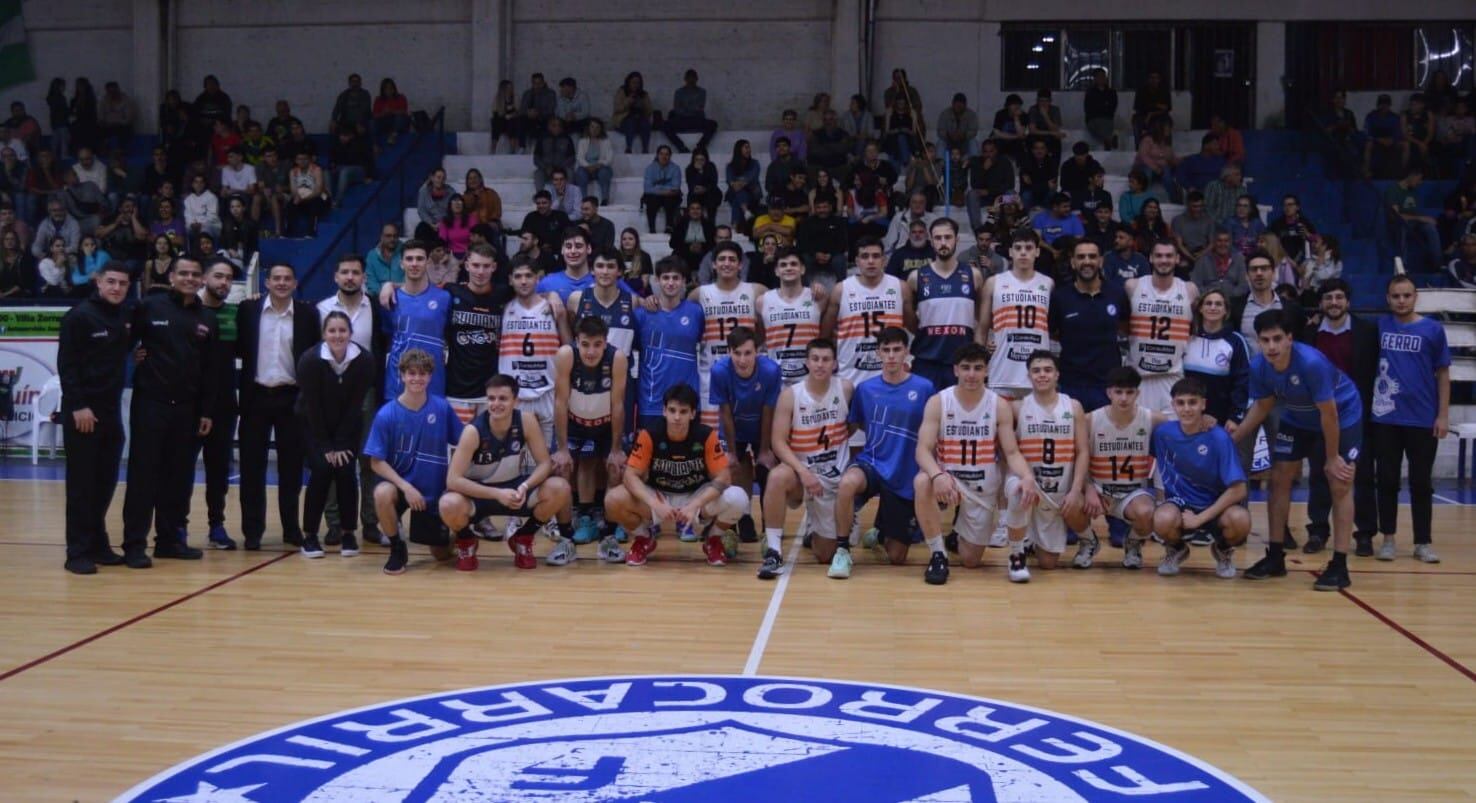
292 539
81 565
348 545
747 533
1333 579
950 542
1289 542
937 571
398 557
138 560
1315 544
176 551
1267 567
1363 545
333 537
1199 538
310 547
773 565
252 544
106 557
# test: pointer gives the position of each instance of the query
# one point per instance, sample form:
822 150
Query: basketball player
589 424
418 313
473 332
1204 486
860 308
948 296
790 317
668 339
745 386
608 301
1053 440
1321 421
488 476
1160 310
890 410
1013 317
1121 486
965 429
727 304
811 441
407 448
677 475
533 328
577 274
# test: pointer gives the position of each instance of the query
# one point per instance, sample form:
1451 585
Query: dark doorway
1217 63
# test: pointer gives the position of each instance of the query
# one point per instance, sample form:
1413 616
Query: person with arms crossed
790 317
589 429
745 387
727 304
1014 317
948 297
533 329
1161 310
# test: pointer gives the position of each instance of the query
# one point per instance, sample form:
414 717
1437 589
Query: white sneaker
610 550
840 565
1132 553
1086 551
514 523
1386 549
1224 562
1001 537
1172 559
562 554
1019 572
486 529
1425 553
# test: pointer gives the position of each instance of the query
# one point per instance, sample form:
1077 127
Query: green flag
15 50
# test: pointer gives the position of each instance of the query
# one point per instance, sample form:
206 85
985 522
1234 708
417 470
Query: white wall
91 38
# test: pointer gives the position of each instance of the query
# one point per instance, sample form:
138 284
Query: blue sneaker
220 540
620 535
687 534
586 530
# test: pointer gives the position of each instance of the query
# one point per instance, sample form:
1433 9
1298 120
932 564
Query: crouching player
965 429
812 443
487 477
677 474
1121 468
745 387
1203 484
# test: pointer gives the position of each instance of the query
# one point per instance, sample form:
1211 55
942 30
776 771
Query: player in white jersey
727 304
861 307
965 430
1053 440
533 329
811 441
790 317
1014 317
1160 308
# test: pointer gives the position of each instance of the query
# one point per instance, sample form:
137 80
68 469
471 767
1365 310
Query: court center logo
691 738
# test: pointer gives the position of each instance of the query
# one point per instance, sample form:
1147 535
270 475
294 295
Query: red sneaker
713 549
466 554
641 548
522 549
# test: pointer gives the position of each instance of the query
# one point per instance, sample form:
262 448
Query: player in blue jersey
890 409
1321 422
416 318
1204 486
948 297
745 386
408 447
576 274
667 338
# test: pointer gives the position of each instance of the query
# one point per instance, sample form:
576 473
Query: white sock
935 543
772 537
1017 547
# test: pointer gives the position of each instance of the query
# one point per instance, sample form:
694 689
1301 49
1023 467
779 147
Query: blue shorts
1090 396
1293 445
896 517
940 374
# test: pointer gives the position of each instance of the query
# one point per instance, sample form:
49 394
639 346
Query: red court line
1419 642
139 618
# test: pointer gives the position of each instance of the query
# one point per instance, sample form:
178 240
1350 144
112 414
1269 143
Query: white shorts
1011 393
978 508
819 511
729 507
1154 394
543 408
1043 524
1117 504
467 409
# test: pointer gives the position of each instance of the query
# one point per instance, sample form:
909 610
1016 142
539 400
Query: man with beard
948 296
218 444
1086 315
1158 326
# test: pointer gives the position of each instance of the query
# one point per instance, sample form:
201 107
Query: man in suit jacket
693 236
271 334
1352 344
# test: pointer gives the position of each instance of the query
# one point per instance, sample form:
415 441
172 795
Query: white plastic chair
46 403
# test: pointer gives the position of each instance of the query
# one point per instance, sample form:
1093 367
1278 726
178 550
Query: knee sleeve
731 506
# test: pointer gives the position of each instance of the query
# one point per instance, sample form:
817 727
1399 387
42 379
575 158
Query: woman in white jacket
201 209
592 160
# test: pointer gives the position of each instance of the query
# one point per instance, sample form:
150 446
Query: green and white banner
15 46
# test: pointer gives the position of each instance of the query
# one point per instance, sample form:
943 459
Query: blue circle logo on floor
691 738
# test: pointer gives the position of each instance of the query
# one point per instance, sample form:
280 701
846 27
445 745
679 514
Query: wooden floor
1367 695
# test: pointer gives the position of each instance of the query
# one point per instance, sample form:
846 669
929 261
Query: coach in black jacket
1352 344
91 353
272 333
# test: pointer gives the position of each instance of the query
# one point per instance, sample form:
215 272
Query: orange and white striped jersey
1158 328
1121 461
530 339
1019 312
789 326
722 312
864 312
966 436
818 434
1048 442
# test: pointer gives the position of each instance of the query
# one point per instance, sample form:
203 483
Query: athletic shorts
819 510
543 408
896 517
1090 396
425 525
1154 393
1043 524
1293 445
978 508
1117 504
482 508
1011 393
589 442
940 374
1212 526
730 506
467 409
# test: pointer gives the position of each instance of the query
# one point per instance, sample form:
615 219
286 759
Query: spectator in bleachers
635 260
1098 226
1385 151
382 263
1124 260
124 235
1419 131
59 114
43 178
54 267
17 272
156 268
958 126
237 177
242 119
858 123
762 260
201 208
441 266
123 178
297 142
742 173
353 109
546 221
271 180
165 222
117 115
689 113
601 230
693 236
456 227
1221 267
1245 226
212 103
1221 194
867 207
1149 226
1038 175
565 196
90 168
432 203
1152 101
899 133
539 254
1076 172
1156 157
916 211
1459 215
1193 229
1325 263
1232 144
24 127
924 174
1463 267
84 202
83 114
830 145
1100 110
789 131
482 199
9 139
815 115
13 178
1056 222
58 223
793 199
825 185
633 110
572 106
773 220
1195 172
776 178
982 254
872 165
594 159
391 112
1343 142
308 195
351 158
1286 268
1404 209
822 241
914 252
661 189
88 262
9 222
1292 227
552 151
702 183
1045 124
1455 134
1093 196
239 234
279 128
157 172
989 176
1440 96
505 116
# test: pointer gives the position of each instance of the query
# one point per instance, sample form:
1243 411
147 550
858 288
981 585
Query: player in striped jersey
727 303
607 301
1014 317
1053 439
948 296
589 420
1160 310
533 328
965 429
789 317
811 442
860 308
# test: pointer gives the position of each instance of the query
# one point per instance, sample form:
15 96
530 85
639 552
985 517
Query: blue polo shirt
1086 326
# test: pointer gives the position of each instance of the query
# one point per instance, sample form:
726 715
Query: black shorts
482 508
896 517
425 525
588 442
1212 526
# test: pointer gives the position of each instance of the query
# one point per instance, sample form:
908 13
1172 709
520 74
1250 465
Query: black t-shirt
472 337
